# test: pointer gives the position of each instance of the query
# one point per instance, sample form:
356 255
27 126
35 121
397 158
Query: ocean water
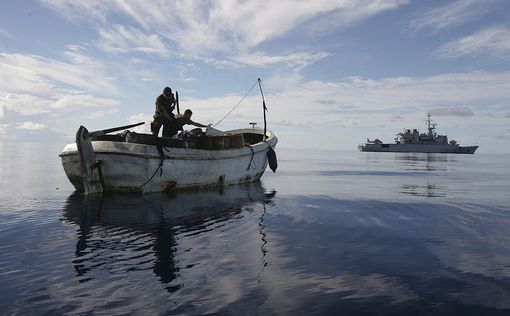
330 233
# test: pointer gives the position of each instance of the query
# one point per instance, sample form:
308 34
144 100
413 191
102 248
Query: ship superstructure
412 141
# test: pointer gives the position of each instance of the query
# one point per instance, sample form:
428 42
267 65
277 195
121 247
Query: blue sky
333 72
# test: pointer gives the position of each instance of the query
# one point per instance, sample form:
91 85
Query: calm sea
331 233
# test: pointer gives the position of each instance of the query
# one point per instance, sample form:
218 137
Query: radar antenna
430 125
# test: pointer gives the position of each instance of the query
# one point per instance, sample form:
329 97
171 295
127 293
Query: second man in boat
180 120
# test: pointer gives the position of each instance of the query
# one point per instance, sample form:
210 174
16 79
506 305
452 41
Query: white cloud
285 80
24 104
350 13
453 14
200 28
396 92
261 59
79 10
141 117
147 75
120 39
36 74
34 85
450 94
85 104
31 126
494 41
505 134
287 123
58 105
3 128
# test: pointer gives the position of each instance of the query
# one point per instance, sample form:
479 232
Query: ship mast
430 126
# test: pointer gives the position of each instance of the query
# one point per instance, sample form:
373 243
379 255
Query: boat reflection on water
122 233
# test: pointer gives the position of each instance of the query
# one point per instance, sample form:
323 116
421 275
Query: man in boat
180 120
165 104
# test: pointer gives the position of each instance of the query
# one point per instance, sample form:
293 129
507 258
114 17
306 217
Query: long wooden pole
114 129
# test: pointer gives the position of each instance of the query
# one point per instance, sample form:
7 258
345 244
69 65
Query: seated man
180 120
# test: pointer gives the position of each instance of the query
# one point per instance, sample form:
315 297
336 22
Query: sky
334 73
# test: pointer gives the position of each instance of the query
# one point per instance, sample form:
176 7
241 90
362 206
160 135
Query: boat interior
195 139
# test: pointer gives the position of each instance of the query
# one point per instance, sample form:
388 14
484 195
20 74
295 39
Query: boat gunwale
186 153
183 157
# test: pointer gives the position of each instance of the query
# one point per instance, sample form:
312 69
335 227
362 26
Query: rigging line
251 159
264 108
254 84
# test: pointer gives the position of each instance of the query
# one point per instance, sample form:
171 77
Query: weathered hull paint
126 167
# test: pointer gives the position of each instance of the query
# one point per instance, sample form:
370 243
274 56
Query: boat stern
72 166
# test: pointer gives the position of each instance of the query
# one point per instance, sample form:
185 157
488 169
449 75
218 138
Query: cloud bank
494 41
453 14
230 30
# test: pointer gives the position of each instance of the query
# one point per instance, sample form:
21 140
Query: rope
251 159
159 168
254 84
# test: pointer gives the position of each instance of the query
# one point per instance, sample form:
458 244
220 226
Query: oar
113 129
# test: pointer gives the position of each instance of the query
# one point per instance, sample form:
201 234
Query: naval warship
412 141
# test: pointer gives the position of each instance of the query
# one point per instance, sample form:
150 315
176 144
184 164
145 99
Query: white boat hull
133 167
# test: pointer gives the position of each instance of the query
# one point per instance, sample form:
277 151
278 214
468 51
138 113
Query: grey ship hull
419 148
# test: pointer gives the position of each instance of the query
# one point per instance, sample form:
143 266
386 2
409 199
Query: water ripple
373 234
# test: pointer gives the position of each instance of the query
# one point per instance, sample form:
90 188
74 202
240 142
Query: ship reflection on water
429 162
414 174
424 161
427 190
121 233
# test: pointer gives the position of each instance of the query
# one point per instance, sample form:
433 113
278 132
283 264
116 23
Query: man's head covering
167 92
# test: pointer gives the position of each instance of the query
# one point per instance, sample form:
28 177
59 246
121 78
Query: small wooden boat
132 162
